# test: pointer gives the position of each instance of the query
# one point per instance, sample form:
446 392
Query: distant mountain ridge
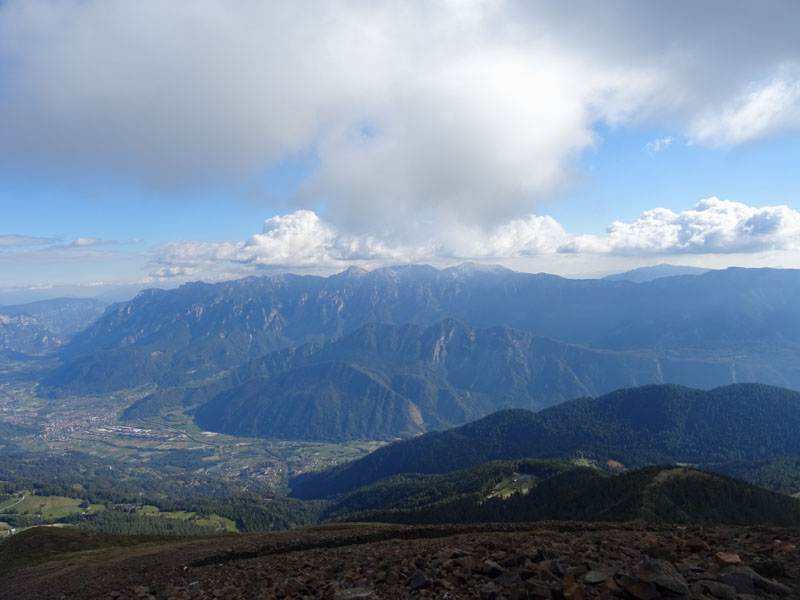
656 424
22 335
746 318
644 274
62 316
40 327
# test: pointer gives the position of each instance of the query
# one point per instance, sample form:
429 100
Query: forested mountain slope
646 425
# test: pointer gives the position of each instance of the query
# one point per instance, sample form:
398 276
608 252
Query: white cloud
765 109
165 273
713 226
196 252
451 111
302 240
299 238
14 241
529 235
27 241
86 242
657 145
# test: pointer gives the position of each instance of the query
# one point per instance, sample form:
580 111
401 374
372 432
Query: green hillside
653 494
639 426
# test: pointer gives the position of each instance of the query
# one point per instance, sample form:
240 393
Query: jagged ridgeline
732 325
423 349
39 327
743 424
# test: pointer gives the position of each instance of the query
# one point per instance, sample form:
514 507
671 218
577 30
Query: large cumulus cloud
302 240
713 226
465 112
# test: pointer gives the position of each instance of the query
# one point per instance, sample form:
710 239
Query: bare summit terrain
545 560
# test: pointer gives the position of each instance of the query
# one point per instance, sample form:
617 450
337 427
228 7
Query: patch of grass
50 507
216 521
516 482
585 462
221 523
40 544
9 502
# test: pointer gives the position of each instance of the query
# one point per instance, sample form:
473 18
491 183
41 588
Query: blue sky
148 144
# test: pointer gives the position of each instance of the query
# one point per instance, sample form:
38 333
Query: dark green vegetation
384 381
780 474
398 352
110 497
448 476
334 401
741 423
561 492
412 493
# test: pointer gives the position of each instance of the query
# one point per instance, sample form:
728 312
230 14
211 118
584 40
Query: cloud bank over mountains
467 112
302 240
388 132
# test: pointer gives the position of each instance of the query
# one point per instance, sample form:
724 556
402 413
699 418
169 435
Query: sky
147 143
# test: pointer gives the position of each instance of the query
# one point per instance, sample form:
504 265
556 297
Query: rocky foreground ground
540 561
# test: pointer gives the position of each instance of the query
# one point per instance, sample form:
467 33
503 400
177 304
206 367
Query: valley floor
574 561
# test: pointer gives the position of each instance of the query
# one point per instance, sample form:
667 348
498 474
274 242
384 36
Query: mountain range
399 351
40 327
650 273
385 381
657 424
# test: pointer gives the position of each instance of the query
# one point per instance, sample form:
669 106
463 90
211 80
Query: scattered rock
770 568
361 593
509 580
552 561
640 590
544 553
571 590
770 586
595 577
663 575
719 590
492 569
728 558
420 581
697 545
741 582
392 577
